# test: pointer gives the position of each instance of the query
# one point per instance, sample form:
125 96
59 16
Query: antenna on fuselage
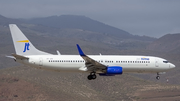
58 53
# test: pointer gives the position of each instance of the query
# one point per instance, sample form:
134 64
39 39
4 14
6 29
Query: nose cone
171 66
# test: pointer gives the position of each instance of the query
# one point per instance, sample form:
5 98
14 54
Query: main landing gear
92 76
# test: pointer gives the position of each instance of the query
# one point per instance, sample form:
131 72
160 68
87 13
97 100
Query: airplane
104 65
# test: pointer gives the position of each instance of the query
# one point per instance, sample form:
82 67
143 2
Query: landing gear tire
157 77
89 77
92 76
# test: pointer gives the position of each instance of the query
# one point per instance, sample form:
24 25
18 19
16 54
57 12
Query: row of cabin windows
100 61
132 61
66 61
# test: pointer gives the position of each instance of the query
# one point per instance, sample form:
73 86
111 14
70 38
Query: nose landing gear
157 77
92 76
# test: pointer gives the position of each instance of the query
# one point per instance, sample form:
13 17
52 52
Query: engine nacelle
112 70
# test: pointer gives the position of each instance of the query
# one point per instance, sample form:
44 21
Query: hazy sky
140 17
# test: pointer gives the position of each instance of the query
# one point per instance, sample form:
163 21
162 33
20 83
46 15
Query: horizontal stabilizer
19 56
12 57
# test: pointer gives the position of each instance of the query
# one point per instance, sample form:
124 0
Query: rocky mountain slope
167 43
85 24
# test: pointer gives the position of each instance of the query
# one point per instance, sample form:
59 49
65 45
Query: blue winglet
80 51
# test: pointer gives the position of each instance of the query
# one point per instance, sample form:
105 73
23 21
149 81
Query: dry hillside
25 83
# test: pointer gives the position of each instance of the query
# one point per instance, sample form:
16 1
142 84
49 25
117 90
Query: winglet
80 51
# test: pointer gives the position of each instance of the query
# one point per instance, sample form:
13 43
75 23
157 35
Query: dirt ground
158 93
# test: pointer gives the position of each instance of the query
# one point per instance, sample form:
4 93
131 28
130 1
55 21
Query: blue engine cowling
112 70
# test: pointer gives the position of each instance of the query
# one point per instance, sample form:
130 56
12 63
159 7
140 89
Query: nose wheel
92 76
157 77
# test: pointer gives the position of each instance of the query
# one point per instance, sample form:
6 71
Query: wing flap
84 68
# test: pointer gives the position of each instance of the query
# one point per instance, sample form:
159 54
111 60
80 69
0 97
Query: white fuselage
136 64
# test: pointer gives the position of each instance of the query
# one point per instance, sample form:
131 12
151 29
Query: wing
91 64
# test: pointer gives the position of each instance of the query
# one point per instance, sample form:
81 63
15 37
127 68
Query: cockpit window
165 61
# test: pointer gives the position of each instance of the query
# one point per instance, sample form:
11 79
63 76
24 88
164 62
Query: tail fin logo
26 46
